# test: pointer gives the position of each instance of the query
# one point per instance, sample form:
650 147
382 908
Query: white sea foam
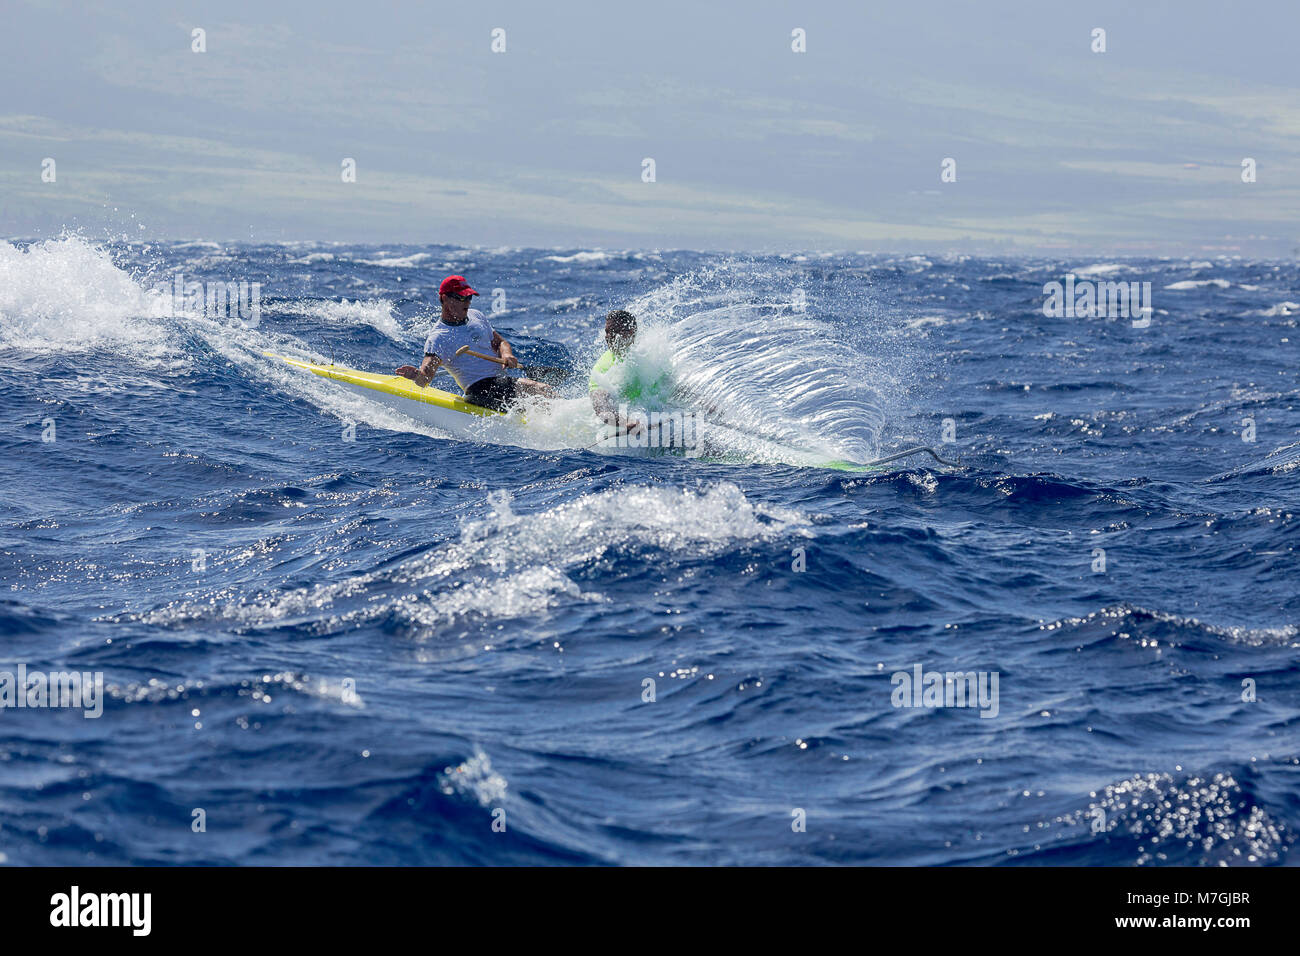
1187 284
376 313
1282 308
198 244
66 295
582 257
398 262
1100 269
923 321
506 564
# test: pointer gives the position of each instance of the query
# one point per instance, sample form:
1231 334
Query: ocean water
329 634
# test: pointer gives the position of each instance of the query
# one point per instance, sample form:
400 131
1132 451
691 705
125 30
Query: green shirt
615 374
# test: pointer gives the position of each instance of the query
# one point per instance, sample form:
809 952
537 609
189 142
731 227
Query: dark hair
620 322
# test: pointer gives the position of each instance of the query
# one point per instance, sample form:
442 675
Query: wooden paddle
528 369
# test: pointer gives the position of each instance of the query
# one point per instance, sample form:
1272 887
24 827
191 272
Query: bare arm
604 406
502 348
423 375
603 403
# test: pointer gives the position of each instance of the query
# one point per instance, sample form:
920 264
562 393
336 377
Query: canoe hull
429 405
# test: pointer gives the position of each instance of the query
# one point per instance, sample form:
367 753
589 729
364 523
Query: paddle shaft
530 369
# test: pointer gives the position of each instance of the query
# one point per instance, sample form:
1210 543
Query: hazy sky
756 147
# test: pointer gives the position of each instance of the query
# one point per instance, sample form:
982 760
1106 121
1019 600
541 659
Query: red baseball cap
455 285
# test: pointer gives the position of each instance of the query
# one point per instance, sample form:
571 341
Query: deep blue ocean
407 648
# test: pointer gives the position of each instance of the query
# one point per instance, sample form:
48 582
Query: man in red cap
484 382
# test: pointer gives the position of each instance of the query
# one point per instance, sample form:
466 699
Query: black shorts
497 393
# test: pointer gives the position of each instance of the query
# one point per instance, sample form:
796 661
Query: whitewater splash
776 371
66 295
508 565
780 383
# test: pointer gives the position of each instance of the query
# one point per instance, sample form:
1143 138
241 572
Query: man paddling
614 380
483 381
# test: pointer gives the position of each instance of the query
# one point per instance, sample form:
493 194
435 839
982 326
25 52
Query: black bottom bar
362 905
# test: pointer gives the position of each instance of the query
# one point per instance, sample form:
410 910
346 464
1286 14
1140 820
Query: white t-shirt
444 340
